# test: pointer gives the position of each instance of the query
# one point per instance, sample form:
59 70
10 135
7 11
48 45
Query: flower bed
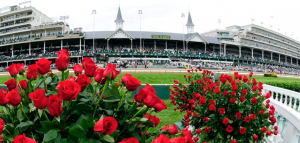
230 110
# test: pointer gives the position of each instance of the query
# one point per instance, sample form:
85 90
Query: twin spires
119 21
190 25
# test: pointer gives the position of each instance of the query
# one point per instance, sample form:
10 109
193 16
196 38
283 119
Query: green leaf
212 115
20 115
83 107
57 139
51 135
109 138
143 119
48 80
40 112
66 73
31 107
83 122
76 130
64 140
114 90
39 83
111 99
16 132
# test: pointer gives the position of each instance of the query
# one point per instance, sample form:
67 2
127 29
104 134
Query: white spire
119 21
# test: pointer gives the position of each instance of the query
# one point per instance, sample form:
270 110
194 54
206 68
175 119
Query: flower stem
7 131
24 112
119 105
44 113
62 75
45 87
106 84
9 115
130 121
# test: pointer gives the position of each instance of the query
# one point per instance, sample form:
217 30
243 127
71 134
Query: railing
287 114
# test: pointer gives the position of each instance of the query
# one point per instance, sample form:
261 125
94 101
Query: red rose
72 78
217 90
232 100
202 100
77 69
109 69
11 84
125 78
268 95
23 139
238 115
195 115
162 139
267 105
261 112
222 111
185 139
196 139
150 100
2 125
114 74
244 92
198 131
54 105
205 119
255 137
253 100
186 132
242 98
99 78
62 63
225 121
225 93
68 90
252 116
3 97
152 119
264 129
275 132
212 107
176 81
149 88
107 125
172 130
43 65
160 106
233 94
233 141
250 74
13 70
207 129
269 133
247 119
229 129
234 87
39 99
254 88
245 79
21 68
140 96
132 83
89 69
23 84
254 81
212 101
87 60
63 53
13 97
242 130
32 72
130 140
276 127
83 81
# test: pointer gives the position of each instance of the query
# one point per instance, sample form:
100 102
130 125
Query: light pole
182 15
94 13
140 13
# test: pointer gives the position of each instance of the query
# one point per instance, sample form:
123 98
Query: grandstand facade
26 34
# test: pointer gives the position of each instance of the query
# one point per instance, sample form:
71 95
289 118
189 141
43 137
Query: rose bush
230 110
62 108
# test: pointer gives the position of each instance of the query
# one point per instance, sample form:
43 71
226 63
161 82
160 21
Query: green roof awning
223 32
226 38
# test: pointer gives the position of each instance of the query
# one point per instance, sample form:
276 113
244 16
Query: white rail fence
286 104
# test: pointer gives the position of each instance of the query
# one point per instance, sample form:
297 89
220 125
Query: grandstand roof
148 35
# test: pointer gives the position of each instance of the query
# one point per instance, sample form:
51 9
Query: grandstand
26 34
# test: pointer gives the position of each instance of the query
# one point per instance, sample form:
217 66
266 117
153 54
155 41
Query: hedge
295 86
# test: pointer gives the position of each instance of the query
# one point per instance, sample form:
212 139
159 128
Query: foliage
230 110
270 75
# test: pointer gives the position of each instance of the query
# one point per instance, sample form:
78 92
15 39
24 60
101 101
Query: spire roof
119 16
189 22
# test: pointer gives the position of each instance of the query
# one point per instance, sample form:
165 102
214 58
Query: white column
79 46
252 52
240 51
154 45
220 49
44 46
279 58
61 44
187 46
262 55
224 50
166 44
45 33
107 44
271 55
29 49
286 59
205 48
12 50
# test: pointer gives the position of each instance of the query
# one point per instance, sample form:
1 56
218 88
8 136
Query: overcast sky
165 15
